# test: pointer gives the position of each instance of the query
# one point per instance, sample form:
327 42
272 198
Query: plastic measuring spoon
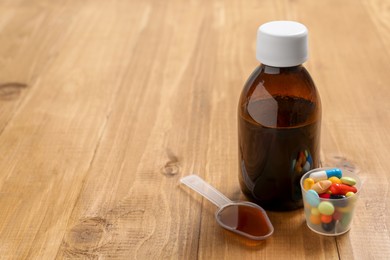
241 217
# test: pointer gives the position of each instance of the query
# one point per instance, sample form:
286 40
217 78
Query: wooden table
105 105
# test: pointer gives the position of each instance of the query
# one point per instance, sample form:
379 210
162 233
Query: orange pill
326 218
315 219
321 186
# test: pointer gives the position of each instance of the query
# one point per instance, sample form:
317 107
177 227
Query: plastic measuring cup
241 217
342 209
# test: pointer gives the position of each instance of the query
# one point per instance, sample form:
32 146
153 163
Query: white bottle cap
282 44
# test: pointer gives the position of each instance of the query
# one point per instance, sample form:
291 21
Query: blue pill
328 226
325 174
312 198
336 172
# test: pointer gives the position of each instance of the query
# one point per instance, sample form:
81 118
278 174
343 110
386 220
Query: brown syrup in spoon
244 218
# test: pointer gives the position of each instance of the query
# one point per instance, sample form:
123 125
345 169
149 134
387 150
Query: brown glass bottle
279 117
279 120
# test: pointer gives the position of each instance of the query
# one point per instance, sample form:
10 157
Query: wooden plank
123 98
148 144
50 143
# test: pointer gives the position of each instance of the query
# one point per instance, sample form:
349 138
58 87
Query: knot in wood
88 235
170 169
11 90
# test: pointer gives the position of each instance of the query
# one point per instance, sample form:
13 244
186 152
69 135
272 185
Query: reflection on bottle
301 164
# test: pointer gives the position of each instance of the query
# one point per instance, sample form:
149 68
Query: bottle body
279 121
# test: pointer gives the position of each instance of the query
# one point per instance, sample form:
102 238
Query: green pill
348 180
326 208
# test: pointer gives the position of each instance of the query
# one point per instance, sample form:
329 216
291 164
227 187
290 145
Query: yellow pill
335 180
351 197
345 209
315 211
307 183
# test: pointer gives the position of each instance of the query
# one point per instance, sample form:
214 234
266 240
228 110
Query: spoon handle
206 190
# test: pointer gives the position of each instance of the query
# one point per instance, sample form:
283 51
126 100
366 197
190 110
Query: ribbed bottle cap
282 44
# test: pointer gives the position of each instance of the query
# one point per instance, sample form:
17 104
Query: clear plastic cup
341 218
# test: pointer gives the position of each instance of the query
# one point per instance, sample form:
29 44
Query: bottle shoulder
266 81
282 92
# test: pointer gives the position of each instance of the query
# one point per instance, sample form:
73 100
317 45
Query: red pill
325 195
337 215
341 189
326 218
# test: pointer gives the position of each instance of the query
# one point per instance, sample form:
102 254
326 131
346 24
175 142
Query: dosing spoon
241 217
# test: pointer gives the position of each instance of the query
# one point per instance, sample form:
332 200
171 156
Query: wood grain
105 105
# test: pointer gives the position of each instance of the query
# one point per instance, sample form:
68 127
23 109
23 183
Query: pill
347 209
328 226
315 211
339 200
307 183
324 175
351 197
326 208
312 198
348 180
325 196
335 172
341 189
318 176
337 215
334 179
326 218
336 196
346 219
321 186
315 219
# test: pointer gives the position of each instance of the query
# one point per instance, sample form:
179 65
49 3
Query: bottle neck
278 70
